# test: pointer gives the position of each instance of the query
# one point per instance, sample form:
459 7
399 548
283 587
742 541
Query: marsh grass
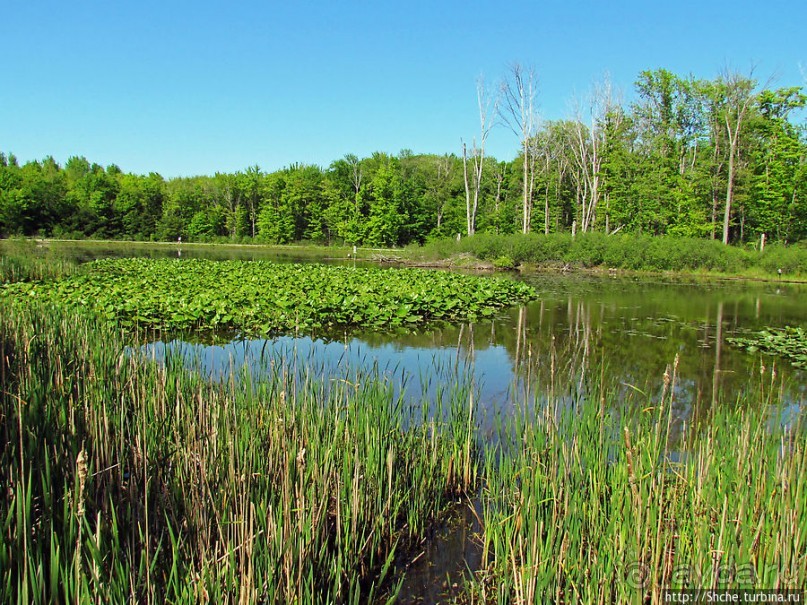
130 480
595 503
25 260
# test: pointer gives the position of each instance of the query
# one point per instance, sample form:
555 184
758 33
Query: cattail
81 473
629 452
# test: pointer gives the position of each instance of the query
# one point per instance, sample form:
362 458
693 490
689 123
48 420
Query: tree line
723 159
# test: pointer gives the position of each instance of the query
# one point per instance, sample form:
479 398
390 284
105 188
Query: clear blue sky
184 88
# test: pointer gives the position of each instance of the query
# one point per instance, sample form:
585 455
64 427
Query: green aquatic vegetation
787 342
260 297
126 480
590 502
23 261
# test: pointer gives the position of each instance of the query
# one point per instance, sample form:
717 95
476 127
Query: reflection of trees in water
558 349
718 347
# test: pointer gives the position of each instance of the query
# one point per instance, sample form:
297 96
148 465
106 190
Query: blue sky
184 88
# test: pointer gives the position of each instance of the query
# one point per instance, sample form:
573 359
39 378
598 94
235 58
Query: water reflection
416 373
82 252
623 333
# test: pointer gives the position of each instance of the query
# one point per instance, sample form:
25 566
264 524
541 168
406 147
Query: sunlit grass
631 252
594 503
129 480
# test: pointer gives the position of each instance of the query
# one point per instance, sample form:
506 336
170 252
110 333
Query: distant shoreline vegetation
23 260
627 252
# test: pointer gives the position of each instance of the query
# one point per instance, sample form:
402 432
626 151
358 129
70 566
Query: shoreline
409 257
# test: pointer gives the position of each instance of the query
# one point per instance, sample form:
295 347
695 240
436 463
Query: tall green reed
127 479
22 260
596 502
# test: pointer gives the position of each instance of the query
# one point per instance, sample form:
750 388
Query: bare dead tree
517 110
588 148
473 187
356 177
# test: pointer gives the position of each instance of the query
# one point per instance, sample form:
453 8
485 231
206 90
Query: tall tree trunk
468 217
729 196
525 225
546 202
737 93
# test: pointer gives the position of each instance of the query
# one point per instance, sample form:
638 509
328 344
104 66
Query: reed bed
594 503
130 480
22 265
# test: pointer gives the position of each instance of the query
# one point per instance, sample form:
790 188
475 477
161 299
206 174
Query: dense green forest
724 159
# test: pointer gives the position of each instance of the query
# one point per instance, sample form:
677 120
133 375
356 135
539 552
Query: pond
624 331
628 329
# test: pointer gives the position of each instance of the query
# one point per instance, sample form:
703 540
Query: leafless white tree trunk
588 148
473 187
518 111
356 177
738 97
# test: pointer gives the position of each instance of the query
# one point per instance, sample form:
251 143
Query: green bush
588 249
792 260
504 262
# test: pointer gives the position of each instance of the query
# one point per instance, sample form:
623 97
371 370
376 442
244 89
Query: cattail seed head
81 473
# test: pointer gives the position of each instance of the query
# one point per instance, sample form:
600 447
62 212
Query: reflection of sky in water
425 373
414 372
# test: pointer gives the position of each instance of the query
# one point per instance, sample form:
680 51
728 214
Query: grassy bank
628 252
24 260
125 480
